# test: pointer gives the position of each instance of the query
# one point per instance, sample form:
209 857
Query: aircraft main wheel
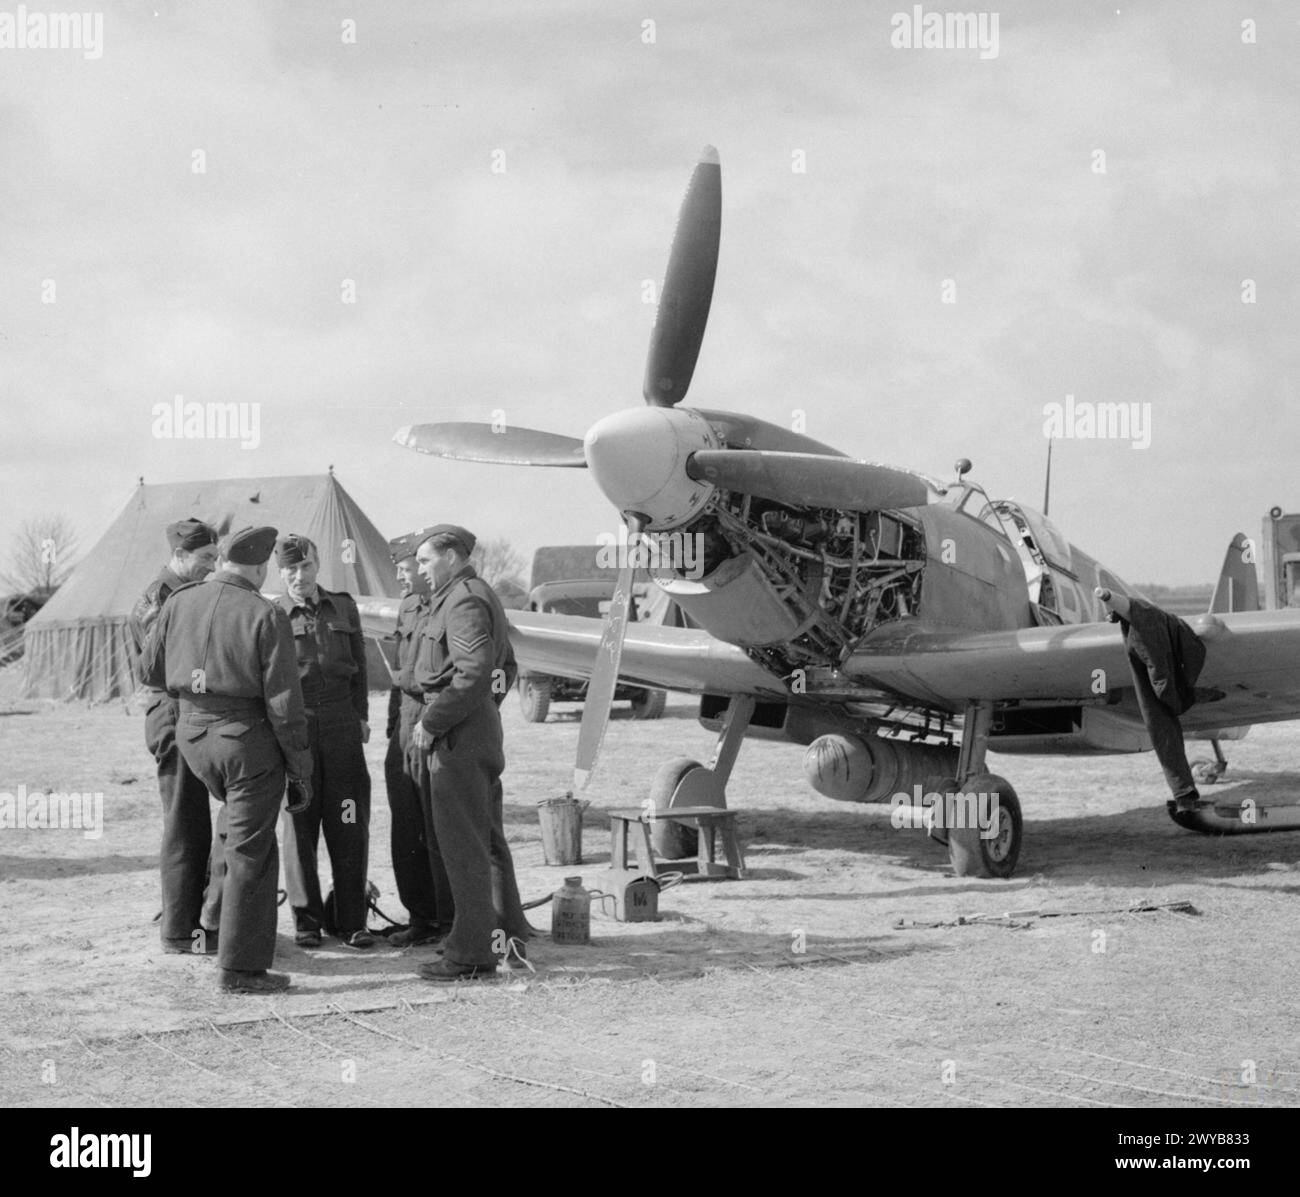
649 704
535 696
972 852
1206 772
673 841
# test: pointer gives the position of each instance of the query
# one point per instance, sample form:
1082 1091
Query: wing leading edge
670 658
654 656
1253 657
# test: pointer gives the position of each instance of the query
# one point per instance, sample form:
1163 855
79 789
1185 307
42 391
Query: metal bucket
561 823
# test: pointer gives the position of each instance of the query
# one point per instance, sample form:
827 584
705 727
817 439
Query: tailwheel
1206 773
984 851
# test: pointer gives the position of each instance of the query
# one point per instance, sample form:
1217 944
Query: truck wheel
649 704
535 696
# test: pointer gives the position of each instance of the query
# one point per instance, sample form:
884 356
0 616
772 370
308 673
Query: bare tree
42 554
498 563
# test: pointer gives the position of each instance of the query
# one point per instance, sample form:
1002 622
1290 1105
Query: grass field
713 1004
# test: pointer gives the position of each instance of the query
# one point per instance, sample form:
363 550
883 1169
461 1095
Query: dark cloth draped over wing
1166 649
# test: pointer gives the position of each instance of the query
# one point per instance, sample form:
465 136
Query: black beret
465 538
249 546
190 534
295 549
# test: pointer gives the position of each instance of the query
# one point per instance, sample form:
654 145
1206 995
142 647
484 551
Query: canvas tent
79 647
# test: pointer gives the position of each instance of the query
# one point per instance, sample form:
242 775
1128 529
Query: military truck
567 580
15 611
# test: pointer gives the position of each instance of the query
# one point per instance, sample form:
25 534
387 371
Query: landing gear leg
982 813
974 740
685 782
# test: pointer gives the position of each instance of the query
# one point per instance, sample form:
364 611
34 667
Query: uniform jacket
148 607
331 649
1167 649
457 652
409 613
222 638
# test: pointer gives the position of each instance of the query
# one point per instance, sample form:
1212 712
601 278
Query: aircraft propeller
688 287
670 364
659 469
604 674
500 446
809 479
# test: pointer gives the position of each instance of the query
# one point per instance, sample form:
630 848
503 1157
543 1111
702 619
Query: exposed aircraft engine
870 769
806 584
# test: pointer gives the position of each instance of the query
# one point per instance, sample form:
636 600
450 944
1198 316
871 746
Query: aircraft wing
1253 657
686 659
653 656
378 615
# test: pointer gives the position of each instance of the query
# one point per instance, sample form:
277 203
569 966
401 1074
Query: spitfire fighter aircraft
898 626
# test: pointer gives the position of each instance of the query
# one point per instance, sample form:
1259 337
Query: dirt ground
712 1005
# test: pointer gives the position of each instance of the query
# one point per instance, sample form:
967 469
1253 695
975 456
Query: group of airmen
264 705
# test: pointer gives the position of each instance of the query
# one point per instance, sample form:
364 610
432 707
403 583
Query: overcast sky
521 289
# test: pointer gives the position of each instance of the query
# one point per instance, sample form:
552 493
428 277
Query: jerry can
571 913
639 901
634 895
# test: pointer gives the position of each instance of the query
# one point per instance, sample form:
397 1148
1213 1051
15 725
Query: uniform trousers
1166 734
191 898
340 804
421 877
236 755
463 793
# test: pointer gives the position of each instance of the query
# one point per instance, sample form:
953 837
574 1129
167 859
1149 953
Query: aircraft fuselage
803 586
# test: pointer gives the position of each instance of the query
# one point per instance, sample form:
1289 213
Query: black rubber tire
970 854
535 696
649 704
672 841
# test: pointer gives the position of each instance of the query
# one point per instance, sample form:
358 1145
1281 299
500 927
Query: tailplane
1238 586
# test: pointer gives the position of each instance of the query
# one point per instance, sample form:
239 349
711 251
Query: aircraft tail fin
1238 586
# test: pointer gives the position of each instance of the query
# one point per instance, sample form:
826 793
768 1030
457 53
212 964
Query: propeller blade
688 287
604 673
484 442
810 480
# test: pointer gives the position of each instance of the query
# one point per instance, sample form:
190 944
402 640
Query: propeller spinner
639 458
